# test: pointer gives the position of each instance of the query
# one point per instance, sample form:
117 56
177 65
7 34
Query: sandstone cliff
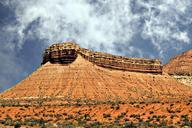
180 67
71 72
83 80
67 52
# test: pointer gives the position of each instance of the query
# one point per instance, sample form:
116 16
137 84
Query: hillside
180 67
76 87
84 80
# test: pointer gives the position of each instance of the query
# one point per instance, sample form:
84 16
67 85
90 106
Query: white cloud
104 21
182 36
163 23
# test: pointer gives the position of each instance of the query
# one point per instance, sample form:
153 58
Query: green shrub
9 121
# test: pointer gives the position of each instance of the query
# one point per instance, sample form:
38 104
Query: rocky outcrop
187 80
84 80
61 53
84 77
67 52
180 67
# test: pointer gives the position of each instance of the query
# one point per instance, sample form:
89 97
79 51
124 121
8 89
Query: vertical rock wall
67 53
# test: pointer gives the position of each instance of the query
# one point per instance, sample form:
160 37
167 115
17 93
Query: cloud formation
92 22
138 28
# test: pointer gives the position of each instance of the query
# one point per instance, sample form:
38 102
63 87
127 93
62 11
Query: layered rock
180 67
67 52
84 80
69 72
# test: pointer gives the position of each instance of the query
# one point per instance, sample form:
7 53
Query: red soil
53 93
136 112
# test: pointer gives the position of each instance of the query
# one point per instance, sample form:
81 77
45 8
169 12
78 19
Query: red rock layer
67 52
180 65
82 79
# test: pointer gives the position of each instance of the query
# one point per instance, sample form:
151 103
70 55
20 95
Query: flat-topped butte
66 53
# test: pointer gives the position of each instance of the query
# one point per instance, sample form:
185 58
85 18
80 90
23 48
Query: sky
134 28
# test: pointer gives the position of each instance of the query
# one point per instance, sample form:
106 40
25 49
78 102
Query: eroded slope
180 67
84 80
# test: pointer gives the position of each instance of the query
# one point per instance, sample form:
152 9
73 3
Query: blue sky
134 28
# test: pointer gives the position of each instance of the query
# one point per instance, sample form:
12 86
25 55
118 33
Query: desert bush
129 125
126 119
170 111
151 112
95 124
58 115
81 122
87 117
187 124
136 116
186 121
163 123
137 106
69 117
106 115
178 110
115 106
149 119
40 101
184 117
26 106
17 124
116 121
22 109
78 102
33 122
8 121
65 114
172 116
120 116
70 126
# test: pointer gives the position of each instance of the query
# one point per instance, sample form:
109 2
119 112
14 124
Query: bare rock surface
84 80
180 67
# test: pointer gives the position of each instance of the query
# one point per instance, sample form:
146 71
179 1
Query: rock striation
180 64
82 78
67 52
180 67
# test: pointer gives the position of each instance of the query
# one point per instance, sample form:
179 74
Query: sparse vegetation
80 114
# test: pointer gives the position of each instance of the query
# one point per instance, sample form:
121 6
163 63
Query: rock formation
180 67
80 74
82 88
67 52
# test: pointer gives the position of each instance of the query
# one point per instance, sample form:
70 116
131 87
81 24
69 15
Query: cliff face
67 52
71 72
84 80
180 67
